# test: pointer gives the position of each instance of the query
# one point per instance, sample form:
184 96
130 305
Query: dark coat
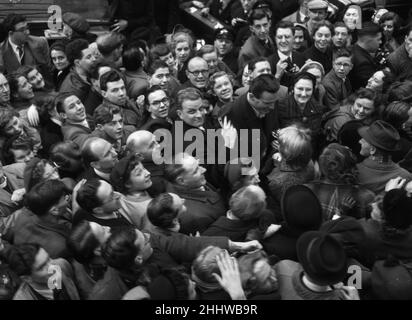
83 215
203 208
235 230
364 66
242 116
36 53
59 76
77 133
141 15
73 83
337 90
400 64
379 246
311 118
93 100
287 78
50 134
50 236
254 48
324 58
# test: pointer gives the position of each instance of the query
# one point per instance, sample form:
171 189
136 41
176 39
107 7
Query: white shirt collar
105 176
14 47
283 57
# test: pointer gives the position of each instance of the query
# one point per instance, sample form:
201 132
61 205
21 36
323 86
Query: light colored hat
317 4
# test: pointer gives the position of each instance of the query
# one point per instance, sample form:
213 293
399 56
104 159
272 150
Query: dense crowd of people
111 188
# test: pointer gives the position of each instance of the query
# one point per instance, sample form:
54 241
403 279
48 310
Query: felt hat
322 257
301 209
349 136
382 135
397 209
76 22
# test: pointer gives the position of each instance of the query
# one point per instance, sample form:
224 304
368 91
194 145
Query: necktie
20 52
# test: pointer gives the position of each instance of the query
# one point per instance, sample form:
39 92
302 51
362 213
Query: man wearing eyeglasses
198 74
158 105
337 86
20 48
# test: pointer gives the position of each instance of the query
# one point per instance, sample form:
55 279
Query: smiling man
113 90
75 127
260 43
285 62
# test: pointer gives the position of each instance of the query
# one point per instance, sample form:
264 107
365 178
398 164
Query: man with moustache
317 10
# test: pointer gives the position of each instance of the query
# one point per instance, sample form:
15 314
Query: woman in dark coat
300 108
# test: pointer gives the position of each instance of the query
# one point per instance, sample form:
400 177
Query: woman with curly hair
338 188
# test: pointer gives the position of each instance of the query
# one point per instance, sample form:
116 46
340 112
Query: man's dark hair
160 211
264 83
120 250
151 90
74 49
104 114
16 142
6 115
284 25
339 24
58 46
94 69
252 64
400 91
343 53
21 257
87 195
160 50
60 99
111 76
132 59
157 64
82 242
13 80
43 196
257 15
11 20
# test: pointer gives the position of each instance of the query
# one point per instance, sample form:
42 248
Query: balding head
198 72
99 154
142 143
